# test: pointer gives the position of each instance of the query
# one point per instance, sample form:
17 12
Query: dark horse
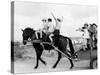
60 43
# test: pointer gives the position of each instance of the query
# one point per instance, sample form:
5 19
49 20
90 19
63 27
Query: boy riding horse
55 31
51 31
43 29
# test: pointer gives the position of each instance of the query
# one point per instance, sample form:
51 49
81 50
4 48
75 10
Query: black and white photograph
50 37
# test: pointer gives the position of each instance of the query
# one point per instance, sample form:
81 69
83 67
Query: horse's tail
70 46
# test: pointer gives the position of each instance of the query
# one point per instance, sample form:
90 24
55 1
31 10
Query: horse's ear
22 30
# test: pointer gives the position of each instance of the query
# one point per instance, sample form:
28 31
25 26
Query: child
56 29
44 29
50 29
93 34
58 26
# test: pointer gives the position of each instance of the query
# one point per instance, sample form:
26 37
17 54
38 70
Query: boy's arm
53 16
80 29
54 19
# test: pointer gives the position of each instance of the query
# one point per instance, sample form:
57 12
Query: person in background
85 35
93 34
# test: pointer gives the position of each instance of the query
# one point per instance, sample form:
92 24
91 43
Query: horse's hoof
71 67
45 63
54 67
35 67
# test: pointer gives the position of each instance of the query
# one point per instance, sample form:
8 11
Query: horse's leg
72 65
37 62
43 61
39 53
71 62
71 47
59 57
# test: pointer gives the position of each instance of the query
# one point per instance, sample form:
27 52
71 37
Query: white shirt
85 33
51 27
45 25
58 25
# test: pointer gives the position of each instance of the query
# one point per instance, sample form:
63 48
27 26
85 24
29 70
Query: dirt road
26 65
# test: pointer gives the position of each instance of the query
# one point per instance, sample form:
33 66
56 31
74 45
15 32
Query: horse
60 43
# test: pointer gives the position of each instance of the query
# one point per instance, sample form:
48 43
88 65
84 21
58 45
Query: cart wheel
93 63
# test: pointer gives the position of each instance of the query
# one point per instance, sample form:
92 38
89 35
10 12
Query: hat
44 20
49 20
94 24
86 24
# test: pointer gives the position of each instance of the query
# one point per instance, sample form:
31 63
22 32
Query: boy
44 29
50 29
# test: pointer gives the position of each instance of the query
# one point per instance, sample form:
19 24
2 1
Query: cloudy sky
29 14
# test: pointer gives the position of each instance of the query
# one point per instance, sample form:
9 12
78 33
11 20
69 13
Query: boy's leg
40 34
36 33
50 37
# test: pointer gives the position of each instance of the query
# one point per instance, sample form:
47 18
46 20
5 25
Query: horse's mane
28 28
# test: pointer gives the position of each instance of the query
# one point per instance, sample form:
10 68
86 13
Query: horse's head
28 33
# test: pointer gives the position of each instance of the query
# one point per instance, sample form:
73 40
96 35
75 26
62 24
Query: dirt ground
27 63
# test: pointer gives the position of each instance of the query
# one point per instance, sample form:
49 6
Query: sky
30 14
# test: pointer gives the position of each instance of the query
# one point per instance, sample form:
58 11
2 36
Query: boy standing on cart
57 27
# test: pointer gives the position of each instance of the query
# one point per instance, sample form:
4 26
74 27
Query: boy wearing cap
50 29
57 27
44 28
